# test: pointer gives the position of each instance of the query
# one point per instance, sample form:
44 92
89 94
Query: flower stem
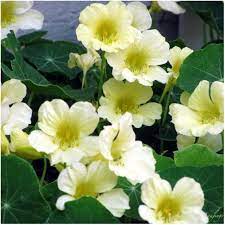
43 172
84 79
166 108
30 98
102 75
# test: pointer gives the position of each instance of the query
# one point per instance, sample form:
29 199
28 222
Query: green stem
43 172
84 79
102 75
211 34
166 108
30 98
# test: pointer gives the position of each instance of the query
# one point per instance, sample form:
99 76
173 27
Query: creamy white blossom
14 113
142 59
64 131
141 17
96 181
181 205
106 27
126 156
121 97
17 15
201 112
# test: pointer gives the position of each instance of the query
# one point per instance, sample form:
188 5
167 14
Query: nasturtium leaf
21 200
83 210
211 180
204 64
35 81
51 193
197 156
53 57
134 193
163 162
32 37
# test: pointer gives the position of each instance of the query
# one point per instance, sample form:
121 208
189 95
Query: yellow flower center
124 105
67 134
176 67
7 13
84 189
168 209
210 117
137 60
106 31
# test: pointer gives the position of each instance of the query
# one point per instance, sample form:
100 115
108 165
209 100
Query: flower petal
32 19
151 111
19 117
22 6
86 116
70 177
189 192
141 17
62 200
100 178
184 141
217 95
147 214
171 6
153 189
199 99
13 91
50 114
42 142
116 201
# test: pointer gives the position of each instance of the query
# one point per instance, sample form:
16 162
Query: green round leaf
197 156
83 210
205 64
21 200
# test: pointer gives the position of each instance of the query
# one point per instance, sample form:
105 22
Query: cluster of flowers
91 164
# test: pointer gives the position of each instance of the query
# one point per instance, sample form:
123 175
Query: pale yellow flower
176 59
201 112
213 142
84 61
121 97
97 181
106 27
141 60
17 15
181 205
126 156
64 134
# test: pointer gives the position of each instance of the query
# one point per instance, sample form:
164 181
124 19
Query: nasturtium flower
106 27
64 132
126 156
14 113
141 17
20 145
201 112
96 181
121 97
170 6
213 142
84 61
176 59
17 15
141 60
181 205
